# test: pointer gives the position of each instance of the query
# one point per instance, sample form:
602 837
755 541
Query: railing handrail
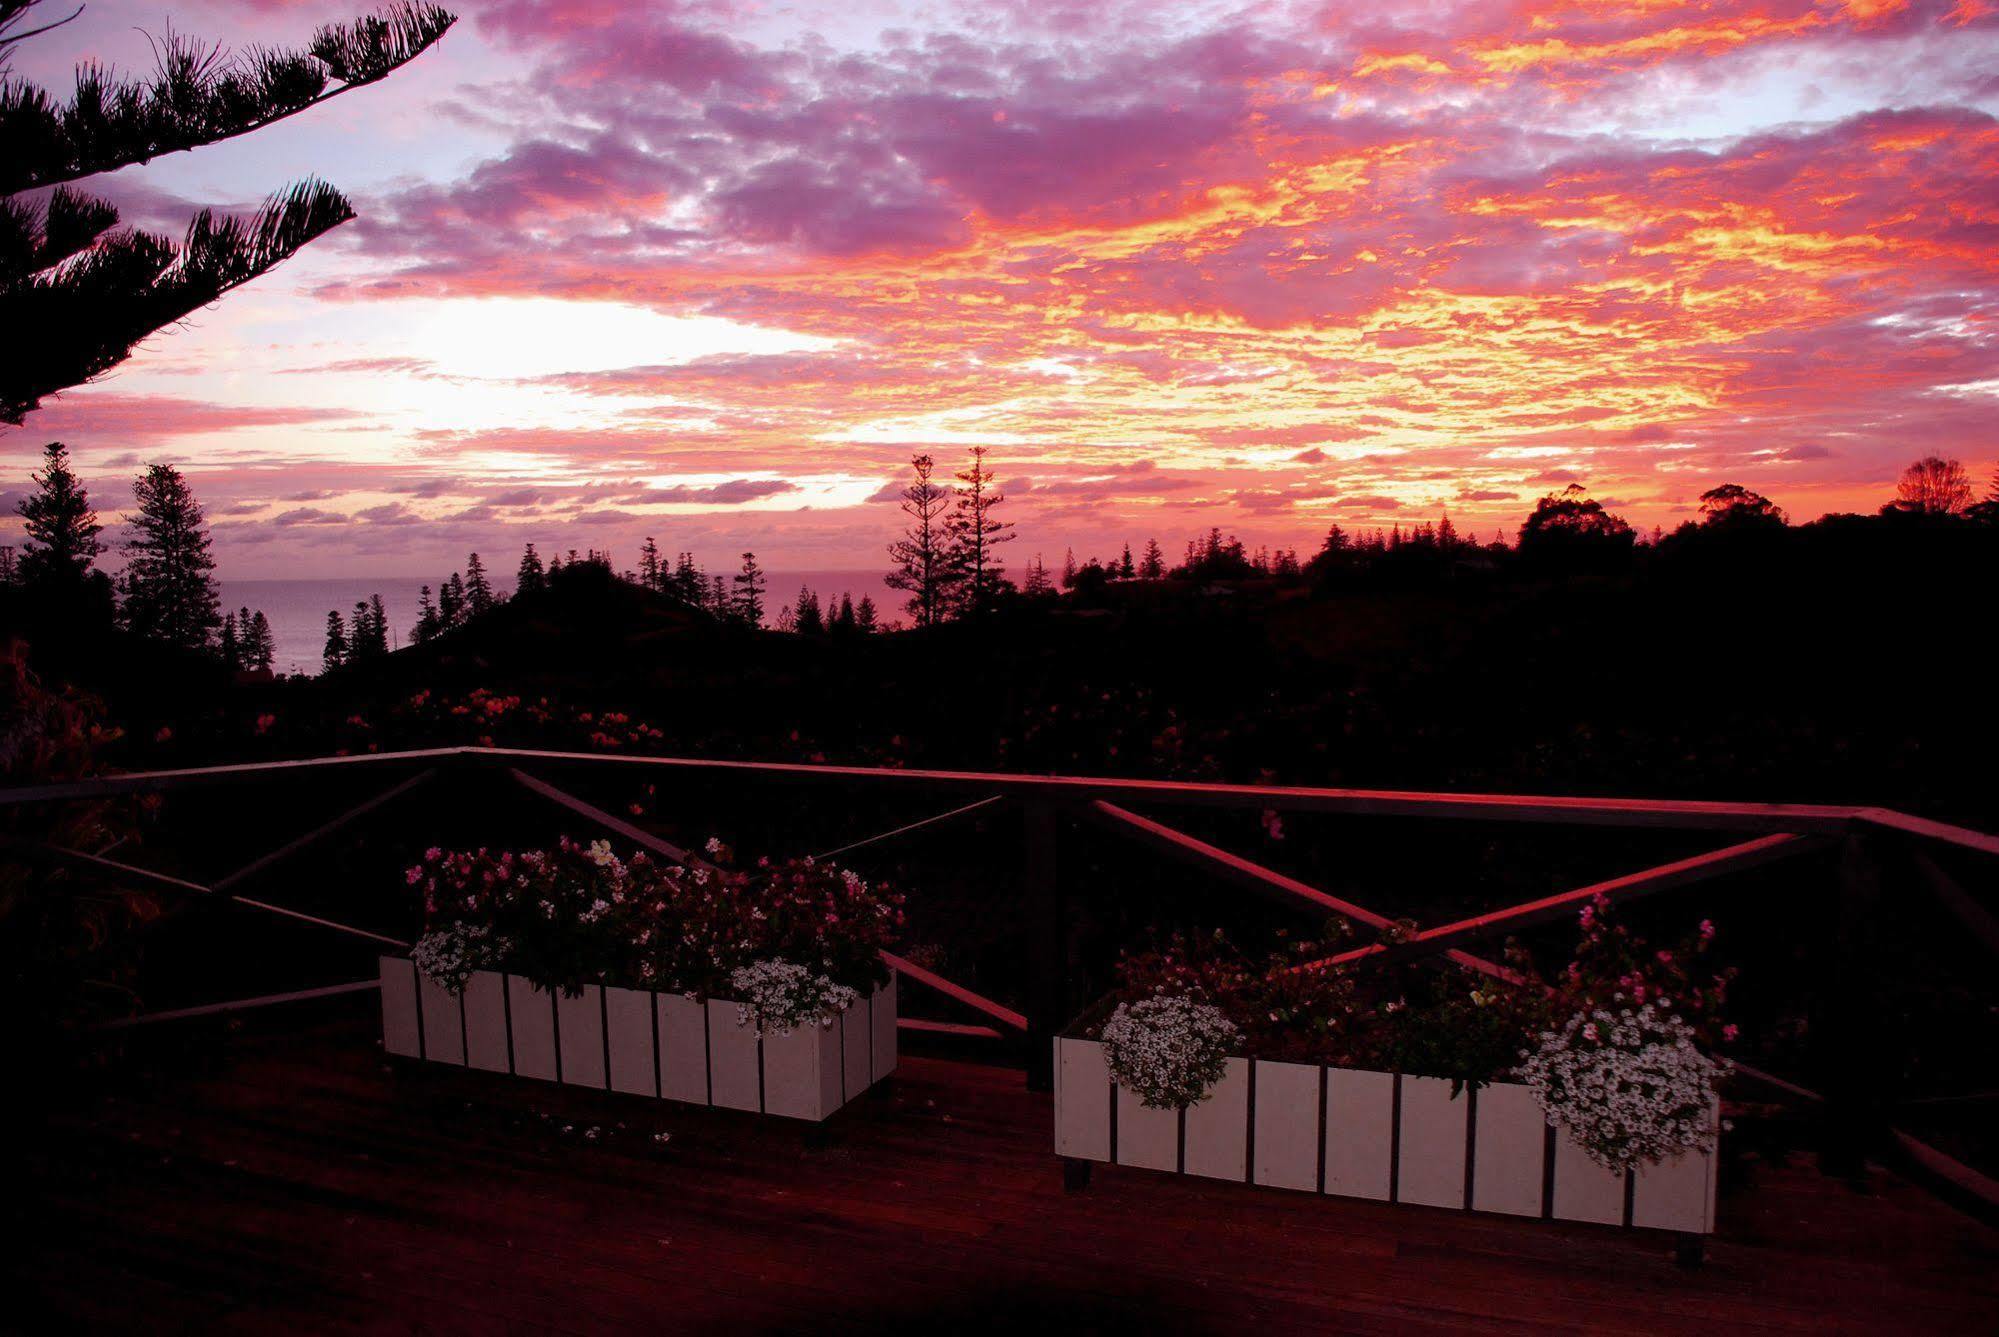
1527 808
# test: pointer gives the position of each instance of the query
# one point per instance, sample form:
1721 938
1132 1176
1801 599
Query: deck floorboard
302 1183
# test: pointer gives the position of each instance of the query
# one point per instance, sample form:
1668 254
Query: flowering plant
577 914
781 996
1469 1028
1169 1050
1630 1086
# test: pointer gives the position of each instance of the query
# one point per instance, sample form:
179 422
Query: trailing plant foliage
68 949
579 914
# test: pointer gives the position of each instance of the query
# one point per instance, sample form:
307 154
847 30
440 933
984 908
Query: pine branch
87 313
35 238
198 95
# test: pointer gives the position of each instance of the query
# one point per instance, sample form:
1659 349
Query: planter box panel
857 1048
1146 1138
882 1012
1509 1148
1360 1132
531 1017
639 1042
1584 1190
1430 1166
683 1047
1287 1103
1082 1101
1678 1194
443 1022
735 1063
485 1003
628 1029
402 1032
1217 1133
802 1073
579 1025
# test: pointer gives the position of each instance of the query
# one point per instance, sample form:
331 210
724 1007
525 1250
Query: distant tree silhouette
867 621
1571 528
748 605
652 574
478 588
1987 511
260 648
169 577
427 622
368 634
1933 486
334 654
1733 506
1216 558
91 294
687 583
531 577
1127 568
451 601
1037 584
10 570
1153 565
923 569
808 619
62 533
228 645
972 534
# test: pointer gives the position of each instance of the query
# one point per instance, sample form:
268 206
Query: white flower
448 956
1632 1090
1168 1050
779 996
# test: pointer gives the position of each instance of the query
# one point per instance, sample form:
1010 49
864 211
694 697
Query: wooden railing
1761 834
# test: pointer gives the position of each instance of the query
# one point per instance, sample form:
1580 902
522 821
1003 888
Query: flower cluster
778 997
1168 1050
449 955
577 914
1631 1086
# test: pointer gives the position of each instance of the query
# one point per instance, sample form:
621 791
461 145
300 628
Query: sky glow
713 272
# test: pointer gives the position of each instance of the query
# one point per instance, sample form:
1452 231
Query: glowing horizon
713 273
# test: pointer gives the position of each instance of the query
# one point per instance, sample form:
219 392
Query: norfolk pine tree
90 291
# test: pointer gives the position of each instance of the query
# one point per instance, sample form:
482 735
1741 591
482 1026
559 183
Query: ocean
296 609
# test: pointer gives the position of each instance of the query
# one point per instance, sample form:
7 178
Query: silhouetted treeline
166 592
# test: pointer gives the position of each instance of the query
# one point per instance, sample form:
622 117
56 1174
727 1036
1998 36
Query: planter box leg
1075 1175
1689 1250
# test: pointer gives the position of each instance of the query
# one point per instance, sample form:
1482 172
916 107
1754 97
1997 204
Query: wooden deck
301 1184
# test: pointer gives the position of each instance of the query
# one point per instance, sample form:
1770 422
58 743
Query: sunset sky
713 272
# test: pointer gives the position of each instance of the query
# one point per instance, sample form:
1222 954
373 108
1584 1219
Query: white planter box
1380 1135
664 1045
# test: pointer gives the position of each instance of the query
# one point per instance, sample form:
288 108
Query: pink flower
1665 958
1729 1032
